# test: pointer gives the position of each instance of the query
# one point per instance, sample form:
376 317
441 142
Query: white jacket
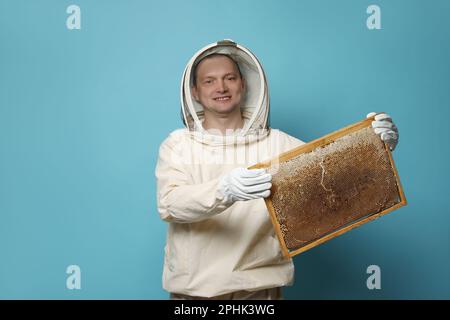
215 248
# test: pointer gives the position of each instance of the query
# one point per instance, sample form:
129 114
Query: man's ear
244 85
194 92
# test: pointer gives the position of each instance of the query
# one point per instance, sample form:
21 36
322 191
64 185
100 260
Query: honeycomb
332 186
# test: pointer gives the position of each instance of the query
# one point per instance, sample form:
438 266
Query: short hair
195 67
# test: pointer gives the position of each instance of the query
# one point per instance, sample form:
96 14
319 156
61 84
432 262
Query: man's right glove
245 184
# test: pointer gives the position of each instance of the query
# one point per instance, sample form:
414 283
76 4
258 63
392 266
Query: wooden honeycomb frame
327 141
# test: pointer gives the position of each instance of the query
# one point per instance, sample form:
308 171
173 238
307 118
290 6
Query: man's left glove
385 128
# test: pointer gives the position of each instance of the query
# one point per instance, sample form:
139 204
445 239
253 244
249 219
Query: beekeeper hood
255 103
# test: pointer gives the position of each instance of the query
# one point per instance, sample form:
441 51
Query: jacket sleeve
292 142
179 201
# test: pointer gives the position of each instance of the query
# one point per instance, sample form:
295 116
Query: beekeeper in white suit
220 241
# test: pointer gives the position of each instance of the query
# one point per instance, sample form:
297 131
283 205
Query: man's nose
221 86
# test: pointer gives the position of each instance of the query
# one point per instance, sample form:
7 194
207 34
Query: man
220 241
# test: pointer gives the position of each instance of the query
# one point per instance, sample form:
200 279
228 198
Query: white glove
385 128
245 184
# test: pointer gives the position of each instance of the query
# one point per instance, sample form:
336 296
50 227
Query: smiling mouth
226 98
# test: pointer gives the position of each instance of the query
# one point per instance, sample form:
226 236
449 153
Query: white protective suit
214 248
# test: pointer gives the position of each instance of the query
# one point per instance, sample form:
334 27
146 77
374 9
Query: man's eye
232 78
208 81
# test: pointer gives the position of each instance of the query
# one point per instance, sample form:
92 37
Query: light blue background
82 114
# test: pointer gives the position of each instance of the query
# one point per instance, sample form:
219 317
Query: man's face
219 87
